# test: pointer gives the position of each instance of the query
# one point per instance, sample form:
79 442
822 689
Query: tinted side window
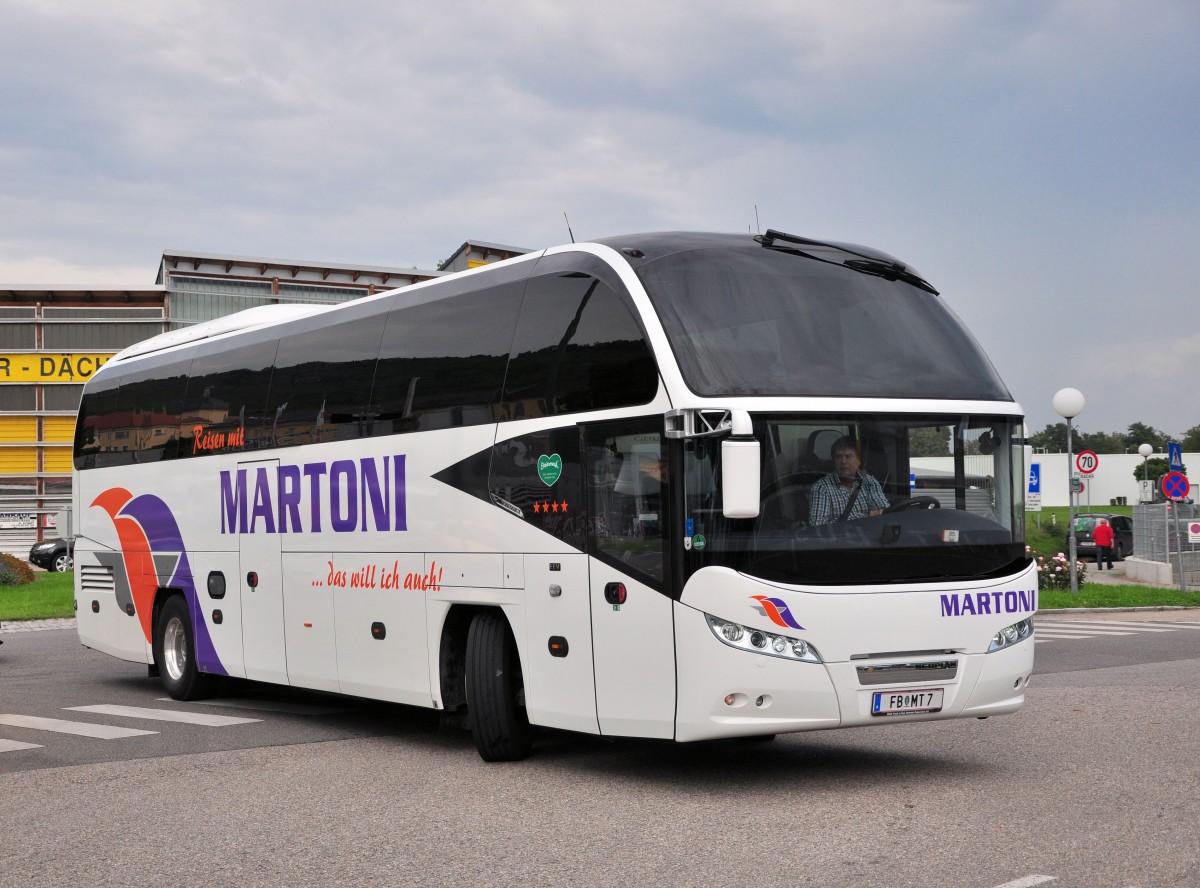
628 497
96 441
224 408
151 407
541 474
442 363
577 347
132 415
322 382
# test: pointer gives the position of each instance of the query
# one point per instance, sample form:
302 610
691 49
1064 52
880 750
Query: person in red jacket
1103 535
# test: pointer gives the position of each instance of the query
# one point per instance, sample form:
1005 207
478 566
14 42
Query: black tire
62 563
175 653
495 691
1120 552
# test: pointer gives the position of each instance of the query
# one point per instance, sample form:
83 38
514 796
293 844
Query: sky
1038 162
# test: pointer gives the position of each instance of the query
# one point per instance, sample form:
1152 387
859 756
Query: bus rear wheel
175 652
495 691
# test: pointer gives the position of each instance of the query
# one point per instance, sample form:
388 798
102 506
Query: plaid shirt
828 498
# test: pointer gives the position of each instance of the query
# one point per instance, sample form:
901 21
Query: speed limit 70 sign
1087 461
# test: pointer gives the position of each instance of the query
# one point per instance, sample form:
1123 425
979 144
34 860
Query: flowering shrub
1055 572
14 571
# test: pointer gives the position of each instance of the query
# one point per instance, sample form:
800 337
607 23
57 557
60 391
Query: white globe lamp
1069 403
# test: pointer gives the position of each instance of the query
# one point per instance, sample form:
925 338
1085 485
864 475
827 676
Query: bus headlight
732 632
757 641
1010 635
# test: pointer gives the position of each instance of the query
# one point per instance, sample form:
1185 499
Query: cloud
1035 160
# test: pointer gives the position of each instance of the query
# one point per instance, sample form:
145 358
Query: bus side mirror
741 469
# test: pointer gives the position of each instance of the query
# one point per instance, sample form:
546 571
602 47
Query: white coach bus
662 485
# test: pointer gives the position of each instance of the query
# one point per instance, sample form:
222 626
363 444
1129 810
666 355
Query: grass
1100 595
49 595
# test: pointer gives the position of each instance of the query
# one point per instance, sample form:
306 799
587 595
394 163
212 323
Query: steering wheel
915 502
787 487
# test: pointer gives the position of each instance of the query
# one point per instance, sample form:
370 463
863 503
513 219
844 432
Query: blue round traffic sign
1175 485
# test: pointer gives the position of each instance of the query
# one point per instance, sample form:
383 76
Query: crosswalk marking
1029 882
16 745
281 706
170 715
1068 630
1158 626
61 726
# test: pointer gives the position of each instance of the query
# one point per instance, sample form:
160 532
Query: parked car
57 555
1122 525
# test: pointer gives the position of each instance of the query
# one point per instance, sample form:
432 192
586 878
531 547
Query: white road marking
168 715
1029 882
1067 630
270 706
16 745
60 726
1156 626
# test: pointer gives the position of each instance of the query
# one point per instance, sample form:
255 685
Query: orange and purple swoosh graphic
152 557
775 610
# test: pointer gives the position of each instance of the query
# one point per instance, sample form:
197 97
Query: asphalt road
1094 783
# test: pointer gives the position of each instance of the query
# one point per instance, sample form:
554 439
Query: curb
13 626
1116 610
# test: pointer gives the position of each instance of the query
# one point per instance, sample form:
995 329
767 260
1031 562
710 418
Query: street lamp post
1145 450
1068 403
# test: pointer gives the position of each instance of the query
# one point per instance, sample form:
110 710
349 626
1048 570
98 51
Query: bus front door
633 635
261 578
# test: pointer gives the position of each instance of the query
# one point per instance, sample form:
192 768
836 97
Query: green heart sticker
550 468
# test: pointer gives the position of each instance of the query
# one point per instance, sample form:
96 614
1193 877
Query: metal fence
1160 533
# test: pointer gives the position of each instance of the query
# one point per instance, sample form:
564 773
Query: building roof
500 251
75 294
259 268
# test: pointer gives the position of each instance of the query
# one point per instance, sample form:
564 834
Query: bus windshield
745 320
866 499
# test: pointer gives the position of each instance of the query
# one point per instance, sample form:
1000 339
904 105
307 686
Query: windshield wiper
888 269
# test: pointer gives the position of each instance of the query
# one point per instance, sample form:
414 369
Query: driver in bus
846 493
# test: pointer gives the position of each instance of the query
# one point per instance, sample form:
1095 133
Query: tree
1191 439
1100 442
1051 439
930 441
1139 433
1155 467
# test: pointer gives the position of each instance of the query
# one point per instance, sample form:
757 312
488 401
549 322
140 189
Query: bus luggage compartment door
261 582
559 686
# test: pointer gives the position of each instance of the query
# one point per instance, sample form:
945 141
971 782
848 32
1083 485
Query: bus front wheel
175 652
495 691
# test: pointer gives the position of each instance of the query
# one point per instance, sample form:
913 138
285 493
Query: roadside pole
1068 403
1175 487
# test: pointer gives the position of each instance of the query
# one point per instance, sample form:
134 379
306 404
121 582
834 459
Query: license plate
905 702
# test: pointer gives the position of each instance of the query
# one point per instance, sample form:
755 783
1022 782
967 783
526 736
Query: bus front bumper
727 692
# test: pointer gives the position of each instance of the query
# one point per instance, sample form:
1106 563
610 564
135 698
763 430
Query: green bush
14 571
1055 572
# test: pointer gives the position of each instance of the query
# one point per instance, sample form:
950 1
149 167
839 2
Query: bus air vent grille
96 577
